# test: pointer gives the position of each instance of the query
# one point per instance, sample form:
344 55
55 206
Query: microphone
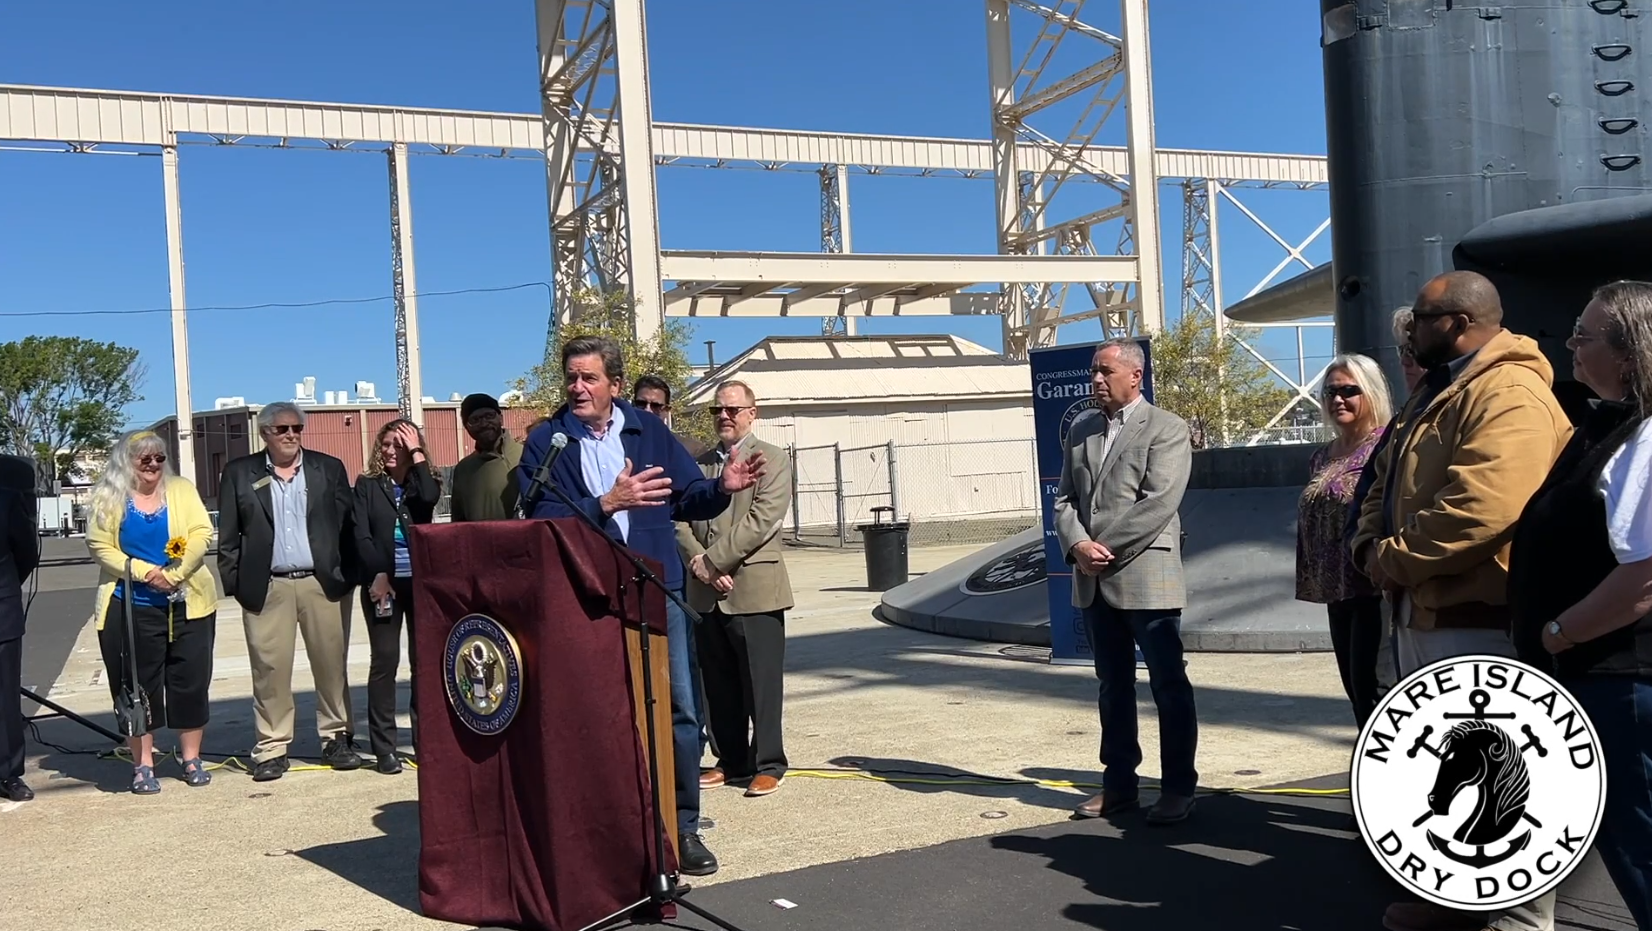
542 475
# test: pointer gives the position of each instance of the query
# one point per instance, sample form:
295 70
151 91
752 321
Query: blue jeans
1114 635
1621 709
685 719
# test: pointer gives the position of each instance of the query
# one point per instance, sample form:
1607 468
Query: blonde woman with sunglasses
144 514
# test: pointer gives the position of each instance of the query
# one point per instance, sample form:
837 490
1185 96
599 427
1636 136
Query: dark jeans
1356 635
1620 707
685 720
384 637
174 667
1114 635
743 659
11 709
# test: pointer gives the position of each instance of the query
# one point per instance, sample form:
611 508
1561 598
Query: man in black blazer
19 555
286 552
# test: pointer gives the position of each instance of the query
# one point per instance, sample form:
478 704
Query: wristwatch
1555 631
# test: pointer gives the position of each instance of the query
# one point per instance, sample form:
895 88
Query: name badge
260 483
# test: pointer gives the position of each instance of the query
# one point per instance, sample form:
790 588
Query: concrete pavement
337 851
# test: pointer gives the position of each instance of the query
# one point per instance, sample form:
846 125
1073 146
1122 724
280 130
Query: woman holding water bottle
397 490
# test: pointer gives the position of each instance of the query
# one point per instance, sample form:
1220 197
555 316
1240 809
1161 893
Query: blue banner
1061 392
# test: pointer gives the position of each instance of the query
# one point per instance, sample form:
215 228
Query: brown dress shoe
763 785
1106 803
712 778
1426 916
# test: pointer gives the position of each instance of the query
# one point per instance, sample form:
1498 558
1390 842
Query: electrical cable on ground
891 776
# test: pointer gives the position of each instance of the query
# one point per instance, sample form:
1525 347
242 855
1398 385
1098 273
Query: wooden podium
535 795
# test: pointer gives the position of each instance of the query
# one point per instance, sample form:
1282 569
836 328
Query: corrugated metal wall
346 433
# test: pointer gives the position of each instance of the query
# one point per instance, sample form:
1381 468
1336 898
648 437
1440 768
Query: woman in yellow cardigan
142 512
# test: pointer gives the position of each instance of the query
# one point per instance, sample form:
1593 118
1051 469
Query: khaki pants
293 607
1419 648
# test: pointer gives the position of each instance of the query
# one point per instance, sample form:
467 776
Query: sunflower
175 548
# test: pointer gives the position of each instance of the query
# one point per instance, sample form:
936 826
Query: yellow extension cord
236 764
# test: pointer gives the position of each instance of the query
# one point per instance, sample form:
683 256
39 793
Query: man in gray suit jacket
1123 472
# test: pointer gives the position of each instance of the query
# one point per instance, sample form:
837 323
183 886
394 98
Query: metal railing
965 492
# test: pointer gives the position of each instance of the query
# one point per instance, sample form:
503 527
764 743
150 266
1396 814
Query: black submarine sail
1508 139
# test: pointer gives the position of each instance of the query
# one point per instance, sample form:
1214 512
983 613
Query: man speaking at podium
626 470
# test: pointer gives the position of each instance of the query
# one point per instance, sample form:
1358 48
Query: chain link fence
967 492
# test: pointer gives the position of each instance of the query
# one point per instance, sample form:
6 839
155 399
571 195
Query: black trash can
885 543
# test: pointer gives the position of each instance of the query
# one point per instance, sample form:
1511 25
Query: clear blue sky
85 232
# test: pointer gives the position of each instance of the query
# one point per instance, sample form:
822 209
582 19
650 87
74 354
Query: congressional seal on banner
1478 783
483 673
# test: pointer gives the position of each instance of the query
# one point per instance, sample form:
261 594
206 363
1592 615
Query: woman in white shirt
1580 573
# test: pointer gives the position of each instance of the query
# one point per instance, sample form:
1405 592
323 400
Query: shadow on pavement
1242 863
386 865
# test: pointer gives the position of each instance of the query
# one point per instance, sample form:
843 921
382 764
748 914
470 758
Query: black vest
1561 552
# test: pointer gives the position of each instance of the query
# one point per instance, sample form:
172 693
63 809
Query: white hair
1379 404
120 475
1402 323
268 413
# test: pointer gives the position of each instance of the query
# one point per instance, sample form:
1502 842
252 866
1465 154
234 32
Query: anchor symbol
1483 756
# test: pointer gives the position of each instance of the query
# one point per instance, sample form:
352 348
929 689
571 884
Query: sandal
143 781
195 772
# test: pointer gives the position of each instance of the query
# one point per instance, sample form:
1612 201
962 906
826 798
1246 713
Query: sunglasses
281 429
729 411
152 459
651 406
1343 391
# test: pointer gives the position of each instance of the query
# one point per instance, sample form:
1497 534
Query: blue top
404 559
143 536
647 443
602 459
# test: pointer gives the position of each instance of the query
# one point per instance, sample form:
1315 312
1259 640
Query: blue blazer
648 443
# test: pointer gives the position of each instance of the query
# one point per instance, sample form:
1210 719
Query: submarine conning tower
1506 139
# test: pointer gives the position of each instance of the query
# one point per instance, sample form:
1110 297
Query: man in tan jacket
1472 444
737 581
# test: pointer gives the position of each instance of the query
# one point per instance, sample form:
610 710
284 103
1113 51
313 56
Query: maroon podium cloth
547 824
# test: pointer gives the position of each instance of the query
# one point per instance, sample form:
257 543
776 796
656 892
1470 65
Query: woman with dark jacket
397 491
1580 573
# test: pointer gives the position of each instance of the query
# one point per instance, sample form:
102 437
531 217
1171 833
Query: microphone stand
662 886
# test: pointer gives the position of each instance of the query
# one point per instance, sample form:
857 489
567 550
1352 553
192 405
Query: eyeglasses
729 411
1343 391
652 406
282 429
1581 335
152 459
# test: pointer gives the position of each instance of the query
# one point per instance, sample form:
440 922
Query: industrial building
337 425
934 426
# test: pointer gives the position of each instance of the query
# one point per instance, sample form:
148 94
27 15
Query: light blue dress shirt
602 460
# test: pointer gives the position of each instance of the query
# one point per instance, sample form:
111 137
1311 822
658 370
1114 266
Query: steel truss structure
595 119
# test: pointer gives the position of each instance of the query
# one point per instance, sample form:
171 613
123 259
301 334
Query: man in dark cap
484 484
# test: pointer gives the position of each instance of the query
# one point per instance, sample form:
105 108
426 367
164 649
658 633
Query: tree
610 314
62 397
1206 384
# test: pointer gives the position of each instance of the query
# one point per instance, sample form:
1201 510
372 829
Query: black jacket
19 556
376 515
1561 552
246 527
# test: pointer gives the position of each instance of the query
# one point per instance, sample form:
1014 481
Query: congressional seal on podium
482 668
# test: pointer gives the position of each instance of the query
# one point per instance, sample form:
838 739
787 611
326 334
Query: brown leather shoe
1426 916
763 785
712 778
1106 803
